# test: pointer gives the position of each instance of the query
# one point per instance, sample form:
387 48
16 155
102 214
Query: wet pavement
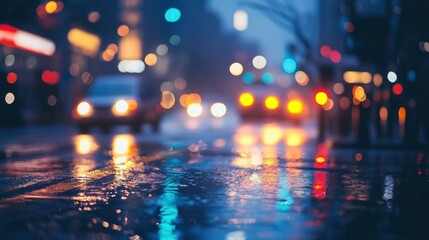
265 180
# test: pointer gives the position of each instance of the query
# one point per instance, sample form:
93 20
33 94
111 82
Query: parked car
119 100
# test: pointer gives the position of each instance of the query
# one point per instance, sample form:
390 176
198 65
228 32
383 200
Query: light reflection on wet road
262 181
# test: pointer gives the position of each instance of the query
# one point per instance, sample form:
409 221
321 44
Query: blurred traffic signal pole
321 98
10 101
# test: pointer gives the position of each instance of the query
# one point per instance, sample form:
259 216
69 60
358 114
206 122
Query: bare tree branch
282 13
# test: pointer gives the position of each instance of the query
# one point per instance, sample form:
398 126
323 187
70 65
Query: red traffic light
321 97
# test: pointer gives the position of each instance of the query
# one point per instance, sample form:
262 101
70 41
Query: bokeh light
93 17
301 78
236 69
131 66
358 156
378 79
402 114
359 93
397 89
84 109
166 86
320 159
151 59
193 98
182 100
411 75
289 65
259 62
175 40
338 88
271 134
50 77
335 57
218 110
240 21
194 110
357 77
168 100
9 98
123 30
295 137
246 99
325 51
11 77
383 113
180 83
268 78
392 77
321 98
52 100
295 106
162 50
51 7
120 108
248 78
328 105
272 102
172 15
344 102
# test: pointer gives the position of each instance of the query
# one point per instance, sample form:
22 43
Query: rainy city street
262 180
214 119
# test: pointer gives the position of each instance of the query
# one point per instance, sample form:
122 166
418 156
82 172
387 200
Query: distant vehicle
119 100
266 101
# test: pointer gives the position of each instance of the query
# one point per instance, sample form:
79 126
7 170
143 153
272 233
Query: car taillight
295 106
246 99
272 102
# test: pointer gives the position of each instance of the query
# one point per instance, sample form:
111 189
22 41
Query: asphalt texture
266 180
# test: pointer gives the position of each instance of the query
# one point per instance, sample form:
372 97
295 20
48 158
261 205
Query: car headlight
84 109
272 102
246 99
194 110
122 107
218 110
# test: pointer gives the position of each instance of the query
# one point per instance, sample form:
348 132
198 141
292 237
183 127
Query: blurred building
370 56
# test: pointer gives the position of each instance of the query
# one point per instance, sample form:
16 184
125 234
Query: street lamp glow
236 69
392 77
51 7
9 98
259 62
240 20
194 110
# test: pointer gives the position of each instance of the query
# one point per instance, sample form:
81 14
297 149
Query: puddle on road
268 191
